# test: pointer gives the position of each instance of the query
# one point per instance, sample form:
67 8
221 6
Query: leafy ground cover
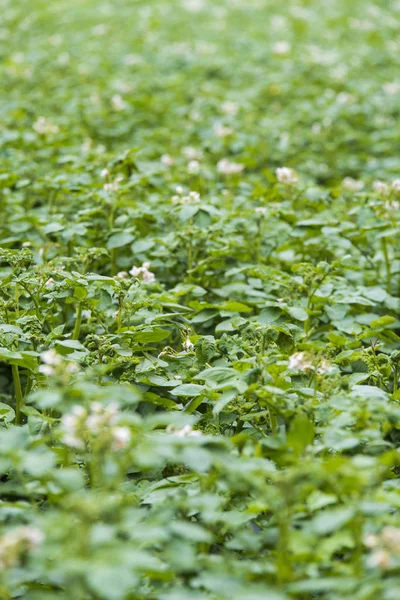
199 306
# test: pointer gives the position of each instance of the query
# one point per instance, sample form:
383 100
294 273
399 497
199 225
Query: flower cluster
385 547
81 426
53 364
300 361
228 167
16 542
286 175
118 103
222 131
352 185
187 345
186 431
181 198
44 127
143 273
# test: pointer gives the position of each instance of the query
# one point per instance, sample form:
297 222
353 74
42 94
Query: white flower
299 362
50 357
143 273
118 103
230 108
391 88
345 98
227 167
49 283
121 437
380 187
187 345
186 431
167 160
286 175
46 370
371 541
281 48
260 209
122 275
105 173
191 153
353 185
112 187
316 128
396 185
222 131
379 558
44 126
193 167
325 367
191 198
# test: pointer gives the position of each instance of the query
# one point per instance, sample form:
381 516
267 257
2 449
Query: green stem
78 321
273 420
19 399
387 265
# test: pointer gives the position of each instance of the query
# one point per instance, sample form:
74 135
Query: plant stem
19 400
78 320
387 265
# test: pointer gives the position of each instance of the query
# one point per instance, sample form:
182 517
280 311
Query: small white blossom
143 273
353 185
118 103
286 175
49 283
187 345
260 209
391 88
167 160
325 367
222 131
186 431
50 357
16 542
282 48
191 153
122 275
380 187
230 108
299 362
121 437
227 167
105 173
396 185
191 198
193 167
46 370
44 127
379 558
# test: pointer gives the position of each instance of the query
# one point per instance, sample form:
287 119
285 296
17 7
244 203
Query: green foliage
199 300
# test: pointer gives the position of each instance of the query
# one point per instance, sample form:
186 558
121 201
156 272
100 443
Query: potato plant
199 300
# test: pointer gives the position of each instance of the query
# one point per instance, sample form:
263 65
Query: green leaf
297 313
188 389
118 240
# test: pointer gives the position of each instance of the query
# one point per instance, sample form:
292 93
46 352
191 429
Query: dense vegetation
199 305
